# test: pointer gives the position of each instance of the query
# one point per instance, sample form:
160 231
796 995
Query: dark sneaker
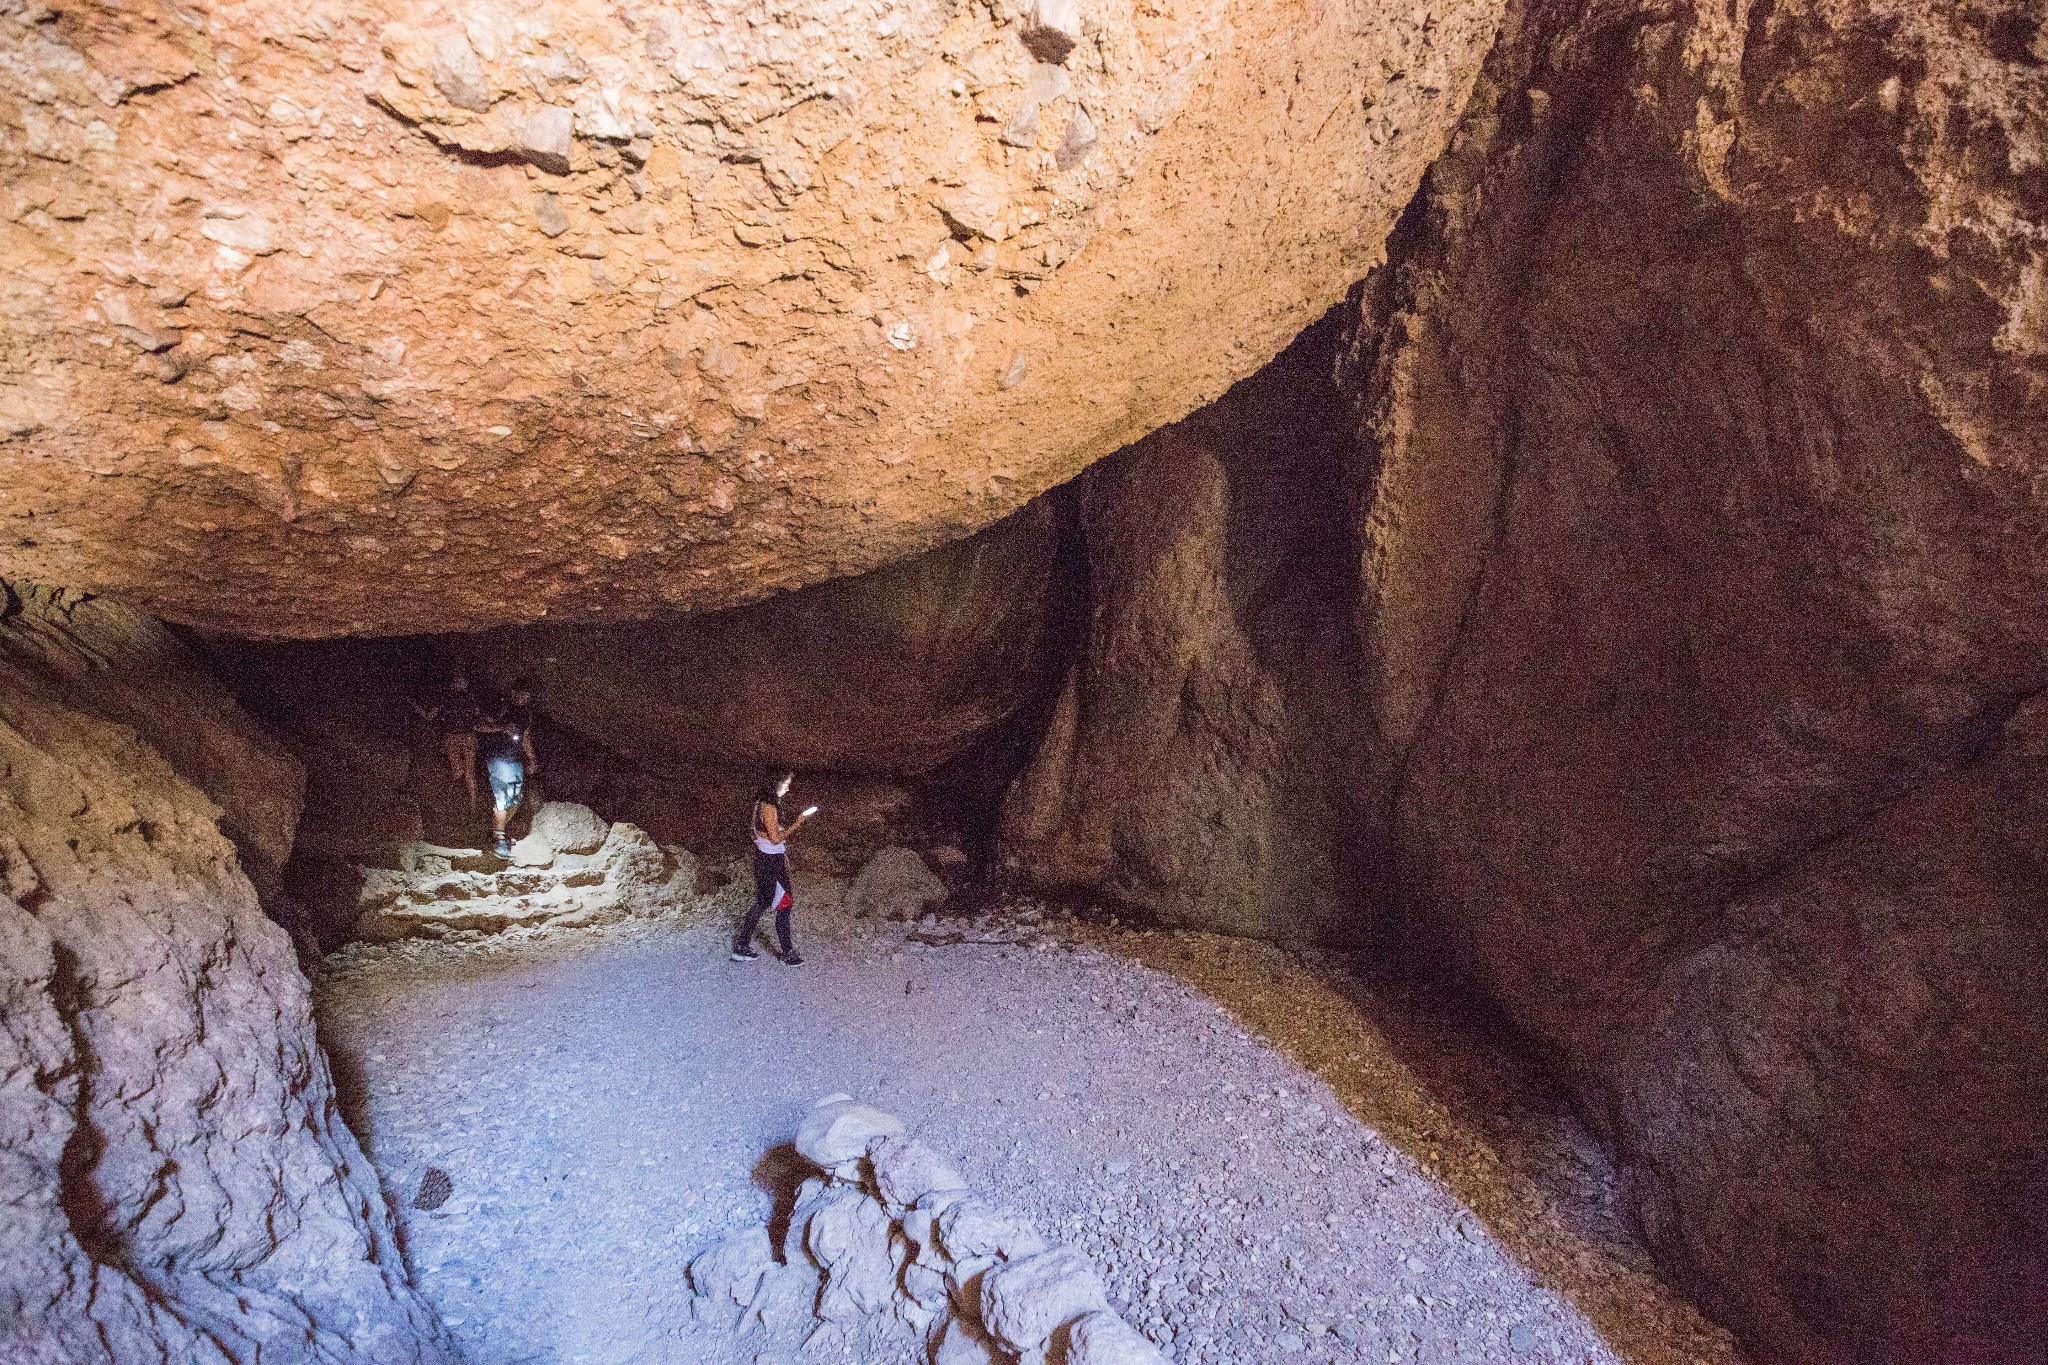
744 955
794 959
504 845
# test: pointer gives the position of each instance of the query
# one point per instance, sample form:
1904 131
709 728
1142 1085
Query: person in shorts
772 889
504 740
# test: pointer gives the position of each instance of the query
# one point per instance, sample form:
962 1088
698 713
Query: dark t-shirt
459 712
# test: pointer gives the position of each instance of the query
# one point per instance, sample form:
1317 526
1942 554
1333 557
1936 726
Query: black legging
770 871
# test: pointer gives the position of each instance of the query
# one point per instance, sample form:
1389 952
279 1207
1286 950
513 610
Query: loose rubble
894 884
884 1240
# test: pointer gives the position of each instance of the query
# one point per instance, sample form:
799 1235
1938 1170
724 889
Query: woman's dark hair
771 779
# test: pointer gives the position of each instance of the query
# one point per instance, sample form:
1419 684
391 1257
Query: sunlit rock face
175 1183
384 318
1704 610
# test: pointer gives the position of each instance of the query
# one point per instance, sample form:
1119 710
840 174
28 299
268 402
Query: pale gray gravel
602 1098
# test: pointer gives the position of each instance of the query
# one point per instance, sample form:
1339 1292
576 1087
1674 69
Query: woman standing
771 868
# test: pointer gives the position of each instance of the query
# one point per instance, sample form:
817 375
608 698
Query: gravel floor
1267 1160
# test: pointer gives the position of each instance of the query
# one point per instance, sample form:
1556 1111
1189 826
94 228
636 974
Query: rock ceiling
327 318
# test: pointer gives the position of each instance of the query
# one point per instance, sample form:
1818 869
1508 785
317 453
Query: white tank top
761 841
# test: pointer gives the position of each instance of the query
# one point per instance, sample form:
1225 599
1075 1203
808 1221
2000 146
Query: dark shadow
351 1090
778 1173
86 1209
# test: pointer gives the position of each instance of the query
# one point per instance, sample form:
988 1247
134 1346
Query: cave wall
1705 612
924 675
175 1182
1645 626
121 664
1206 763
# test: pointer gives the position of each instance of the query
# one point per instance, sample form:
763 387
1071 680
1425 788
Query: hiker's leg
752 923
783 910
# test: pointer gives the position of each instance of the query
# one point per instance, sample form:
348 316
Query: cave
1418 634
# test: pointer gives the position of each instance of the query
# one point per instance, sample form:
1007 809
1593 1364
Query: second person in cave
772 888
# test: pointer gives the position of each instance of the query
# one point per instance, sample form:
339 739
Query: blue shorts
508 783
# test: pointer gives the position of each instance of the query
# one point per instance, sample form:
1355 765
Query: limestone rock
905 1171
920 1225
925 1287
435 893
971 1229
894 884
962 1342
544 139
727 1276
1103 1338
118 882
570 828
757 167
873 1263
849 1236
836 1132
811 1196
787 1299
532 851
1023 1302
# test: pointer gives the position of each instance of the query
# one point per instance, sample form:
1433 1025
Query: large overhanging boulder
395 317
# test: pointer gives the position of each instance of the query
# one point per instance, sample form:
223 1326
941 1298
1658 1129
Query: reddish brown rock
890 675
902 698
1206 761
387 318
1705 609
123 666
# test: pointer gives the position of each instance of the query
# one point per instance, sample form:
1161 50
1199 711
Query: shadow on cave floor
1427 1071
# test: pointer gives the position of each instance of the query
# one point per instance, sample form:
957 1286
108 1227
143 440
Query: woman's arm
772 823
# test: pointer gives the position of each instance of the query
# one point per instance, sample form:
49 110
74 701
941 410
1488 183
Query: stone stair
572 869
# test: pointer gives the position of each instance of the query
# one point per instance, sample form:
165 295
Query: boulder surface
393 318
1702 404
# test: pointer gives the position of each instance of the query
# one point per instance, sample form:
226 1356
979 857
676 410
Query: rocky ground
1255 1152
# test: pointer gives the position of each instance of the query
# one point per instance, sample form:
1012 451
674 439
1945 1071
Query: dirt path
1163 1102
